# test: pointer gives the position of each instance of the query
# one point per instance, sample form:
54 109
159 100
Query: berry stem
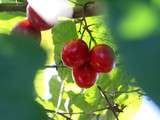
80 27
83 33
86 27
83 22
90 42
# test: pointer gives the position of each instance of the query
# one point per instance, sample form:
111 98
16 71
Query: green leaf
55 87
20 58
63 32
82 2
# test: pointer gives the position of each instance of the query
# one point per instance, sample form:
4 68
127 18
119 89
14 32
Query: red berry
85 76
102 58
25 28
38 22
75 53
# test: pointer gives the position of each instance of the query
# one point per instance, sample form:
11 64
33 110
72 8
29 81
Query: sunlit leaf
9 20
63 32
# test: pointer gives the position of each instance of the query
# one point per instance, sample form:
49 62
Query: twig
77 11
108 102
89 31
58 113
85 25
54 66
58 65
91 113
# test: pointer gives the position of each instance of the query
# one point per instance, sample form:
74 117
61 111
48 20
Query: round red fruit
102 58
38 22
25 28
85 76
75 53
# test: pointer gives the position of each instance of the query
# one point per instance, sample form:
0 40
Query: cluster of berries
87 63
32 26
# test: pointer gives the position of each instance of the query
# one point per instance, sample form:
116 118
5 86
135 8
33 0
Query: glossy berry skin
38 22
102 58
25 28
75 53
85 76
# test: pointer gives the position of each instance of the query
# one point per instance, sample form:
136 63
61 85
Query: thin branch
108 102
83 22
54 66
90 10
53 111
89 31
91 113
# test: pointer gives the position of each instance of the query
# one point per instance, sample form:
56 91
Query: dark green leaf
20 58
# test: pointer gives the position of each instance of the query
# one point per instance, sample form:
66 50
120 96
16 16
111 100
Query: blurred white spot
66 104
48 73
148 111
114 65
50 10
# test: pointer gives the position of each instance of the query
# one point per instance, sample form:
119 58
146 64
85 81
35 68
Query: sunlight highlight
148 111
48 73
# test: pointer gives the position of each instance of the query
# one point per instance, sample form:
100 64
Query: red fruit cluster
32 26
87 63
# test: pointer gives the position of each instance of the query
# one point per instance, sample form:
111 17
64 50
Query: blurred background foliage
136 31
20 58
131 28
